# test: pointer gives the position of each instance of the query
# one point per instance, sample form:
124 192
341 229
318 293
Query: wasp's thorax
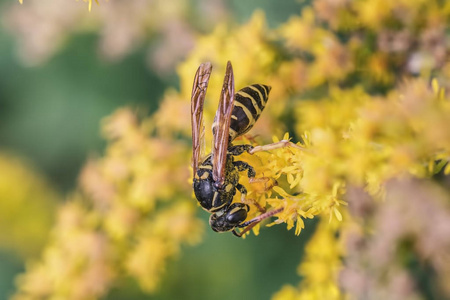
211 196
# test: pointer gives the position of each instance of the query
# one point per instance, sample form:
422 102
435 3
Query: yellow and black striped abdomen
249 102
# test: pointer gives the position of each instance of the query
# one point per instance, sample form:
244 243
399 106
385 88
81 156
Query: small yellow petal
300 222
435 85
281 192
447 169
290 178
337 213
289 169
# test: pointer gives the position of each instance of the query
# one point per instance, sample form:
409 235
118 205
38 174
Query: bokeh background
95 200
63 69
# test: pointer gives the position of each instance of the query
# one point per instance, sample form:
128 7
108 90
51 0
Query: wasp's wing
222 127
197 99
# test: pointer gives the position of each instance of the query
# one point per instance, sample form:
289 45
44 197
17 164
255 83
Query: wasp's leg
239 149
247 229
252 223
242 166
262 217
242 190
273 146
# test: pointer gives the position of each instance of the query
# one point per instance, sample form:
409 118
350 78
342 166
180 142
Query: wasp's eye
237 216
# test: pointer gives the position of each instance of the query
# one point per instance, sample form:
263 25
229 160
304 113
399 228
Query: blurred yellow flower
320 267
159 240
27 206
341 90
76 263
119 218
90 3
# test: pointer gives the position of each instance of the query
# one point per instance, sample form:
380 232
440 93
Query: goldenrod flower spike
360 129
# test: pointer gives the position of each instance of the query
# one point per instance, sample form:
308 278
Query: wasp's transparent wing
221 127
199 87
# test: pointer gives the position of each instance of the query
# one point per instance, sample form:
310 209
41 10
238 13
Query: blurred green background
50 116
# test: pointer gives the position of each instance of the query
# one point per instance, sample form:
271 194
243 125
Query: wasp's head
227 219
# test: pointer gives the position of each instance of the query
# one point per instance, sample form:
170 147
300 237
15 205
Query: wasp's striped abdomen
249 102
248 105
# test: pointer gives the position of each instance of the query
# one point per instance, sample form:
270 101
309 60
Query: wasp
216 176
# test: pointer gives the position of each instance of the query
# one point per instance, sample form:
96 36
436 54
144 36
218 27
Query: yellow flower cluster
404 134
372 141
343 143
77 264
320 267
132 213
27 205
350 136
280 185
343 91
377 138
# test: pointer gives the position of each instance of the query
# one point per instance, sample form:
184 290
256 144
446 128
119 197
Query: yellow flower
321 264
287 292
77 262
137 207
90 3
27 206
159 240
120 220
319 268
310 33
147 261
